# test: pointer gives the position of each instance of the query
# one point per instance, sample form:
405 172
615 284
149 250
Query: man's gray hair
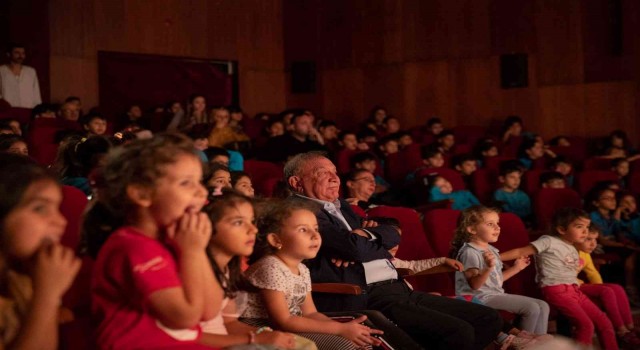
295 164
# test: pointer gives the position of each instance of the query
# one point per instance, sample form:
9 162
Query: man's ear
139 195
295 183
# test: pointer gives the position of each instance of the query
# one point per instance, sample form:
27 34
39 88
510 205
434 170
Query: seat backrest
484 182
261 172
343 160
588 178
493 163
414 246
439 225
511 147
74 202
513 234
468 134
596 163
548 200
531 181
633 182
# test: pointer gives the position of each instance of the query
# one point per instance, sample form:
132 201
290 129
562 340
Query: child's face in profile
392 125
34 222
576 232
467 167
607 200
220 179
405 140
491 152
276 129
299 235
97 126
537 151
390 147
350 142
201 144
488 230
369 165
437 161
622 169
511 181
628 204
244 186
589 244
554 183
436 128
444 185
563 168
447 142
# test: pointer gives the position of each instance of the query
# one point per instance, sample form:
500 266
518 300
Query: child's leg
623 303
567 299
602 323
607 297
534 312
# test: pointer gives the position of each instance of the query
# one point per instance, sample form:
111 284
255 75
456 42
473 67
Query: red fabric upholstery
588 178
484 182
41 138
359 211
414 246
513 234
531 181
268 185
468 134
596 163
260 173
440 224
633 182
72 207
510 148
494 162
23 115
343 160
548 200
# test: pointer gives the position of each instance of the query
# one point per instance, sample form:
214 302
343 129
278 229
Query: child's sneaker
629 341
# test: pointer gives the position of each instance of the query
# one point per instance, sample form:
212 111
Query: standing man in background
19 83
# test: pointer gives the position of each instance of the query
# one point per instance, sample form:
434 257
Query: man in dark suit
356 251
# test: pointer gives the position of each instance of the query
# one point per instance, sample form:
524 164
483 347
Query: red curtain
151 81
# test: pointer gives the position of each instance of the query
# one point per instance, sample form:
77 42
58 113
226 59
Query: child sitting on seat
512 199
441 189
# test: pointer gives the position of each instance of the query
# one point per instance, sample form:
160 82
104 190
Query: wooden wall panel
75 76
474 90
249 31
343 97
559 42
512 26
428 92
384 87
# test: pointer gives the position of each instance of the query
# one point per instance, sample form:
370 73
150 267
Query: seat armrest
336 288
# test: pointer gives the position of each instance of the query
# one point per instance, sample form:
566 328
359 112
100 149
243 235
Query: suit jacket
339 242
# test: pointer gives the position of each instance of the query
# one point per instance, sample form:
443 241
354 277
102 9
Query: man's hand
341 263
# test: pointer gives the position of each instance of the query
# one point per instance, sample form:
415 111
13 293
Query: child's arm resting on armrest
513 254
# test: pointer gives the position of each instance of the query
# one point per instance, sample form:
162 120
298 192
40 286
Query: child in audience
564 167
200 136
152 281
95 124
512 199
367 161
391 125
557 263
432 157
561 141
446 142
530 151
404 139
485 148
219 177
11 124
233 236
512 127
388 145
466 165
36 270
348 141
288 234
441 189
552 179
217 155
606 214
629 218
11 143
241 182
610 296
434 125
620 166
484 273
78 159
275 127
367 136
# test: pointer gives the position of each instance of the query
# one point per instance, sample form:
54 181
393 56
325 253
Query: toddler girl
241 182
441 189
483 273
35 270
288 235
557 263
152 281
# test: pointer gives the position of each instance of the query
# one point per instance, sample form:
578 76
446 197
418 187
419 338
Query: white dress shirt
20 90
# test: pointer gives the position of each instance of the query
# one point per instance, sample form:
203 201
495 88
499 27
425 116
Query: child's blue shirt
462 199
516 202
610 227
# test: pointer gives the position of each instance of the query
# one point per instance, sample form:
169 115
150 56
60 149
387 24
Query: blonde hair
469 217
